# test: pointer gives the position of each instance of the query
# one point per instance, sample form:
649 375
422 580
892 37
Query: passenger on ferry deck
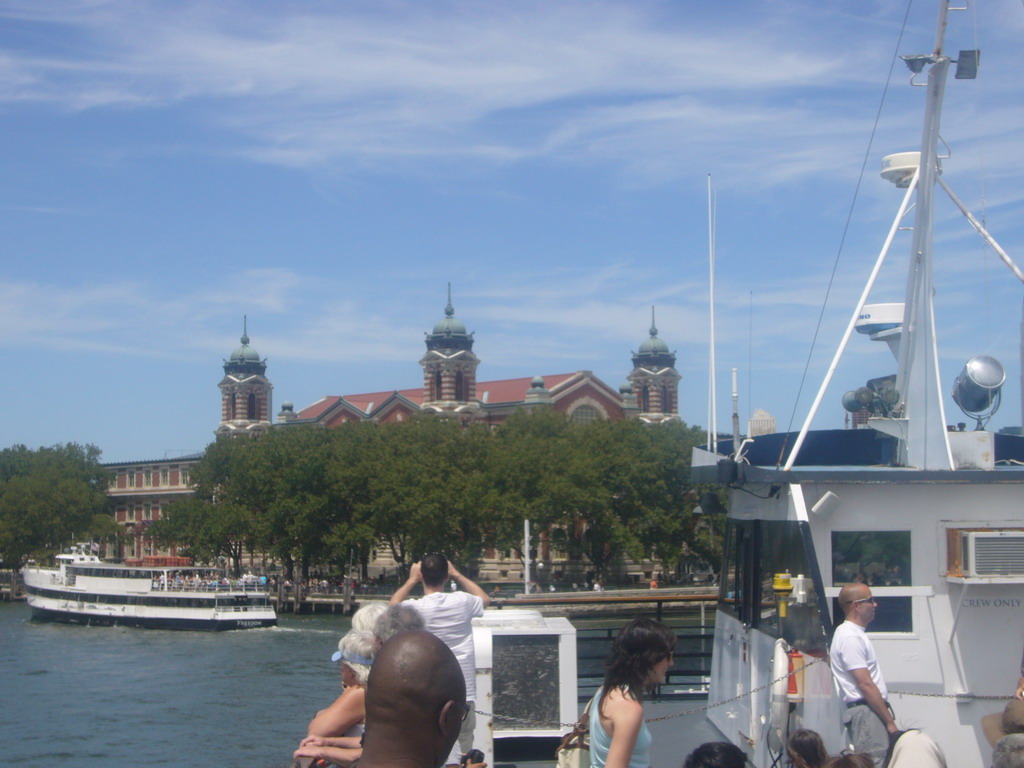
1019 693
1001 724
395 619
716 754
449 615
365 619
805 749
1009 752
916 749
855 760
868 717
335 733
639 658
415 703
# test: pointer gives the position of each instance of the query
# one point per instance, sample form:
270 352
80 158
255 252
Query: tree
216 521
286 482
48 498
427 490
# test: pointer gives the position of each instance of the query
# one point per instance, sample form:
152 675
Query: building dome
245 361
653 352
449 324
245 353
653 345
449 332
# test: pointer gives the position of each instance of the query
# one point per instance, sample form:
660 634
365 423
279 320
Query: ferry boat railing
219 587
689 675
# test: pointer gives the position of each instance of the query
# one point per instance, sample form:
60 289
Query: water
115 696
111 696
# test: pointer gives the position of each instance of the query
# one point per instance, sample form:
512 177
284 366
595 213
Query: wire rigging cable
846 227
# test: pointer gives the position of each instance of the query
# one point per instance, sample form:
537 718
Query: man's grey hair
397 618
1009 752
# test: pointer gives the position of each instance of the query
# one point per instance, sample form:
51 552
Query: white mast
924 442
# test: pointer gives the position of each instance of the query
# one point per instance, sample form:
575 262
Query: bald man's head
415 701
857 603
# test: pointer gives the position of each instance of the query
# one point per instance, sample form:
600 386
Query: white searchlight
977 390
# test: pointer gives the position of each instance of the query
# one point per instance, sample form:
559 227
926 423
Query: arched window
666 399
250 411
460 386
645 399
436 394
232 410
585 414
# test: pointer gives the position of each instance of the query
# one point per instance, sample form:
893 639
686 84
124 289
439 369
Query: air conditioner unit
992 553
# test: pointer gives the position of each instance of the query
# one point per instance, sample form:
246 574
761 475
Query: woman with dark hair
639 658
716 754
852 760
805 749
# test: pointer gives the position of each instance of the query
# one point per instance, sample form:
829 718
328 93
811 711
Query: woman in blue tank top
638 660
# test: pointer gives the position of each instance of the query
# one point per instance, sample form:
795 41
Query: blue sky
326 168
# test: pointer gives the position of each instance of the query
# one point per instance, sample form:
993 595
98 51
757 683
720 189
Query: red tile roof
488 392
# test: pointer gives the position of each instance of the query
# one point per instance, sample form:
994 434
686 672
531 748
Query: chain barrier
769 684
960 696
684 713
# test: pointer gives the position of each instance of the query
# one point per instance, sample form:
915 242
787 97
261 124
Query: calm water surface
87 697
112 696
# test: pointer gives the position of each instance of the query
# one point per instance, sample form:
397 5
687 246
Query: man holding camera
449 616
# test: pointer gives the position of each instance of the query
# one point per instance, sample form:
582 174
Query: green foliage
311 496
49 497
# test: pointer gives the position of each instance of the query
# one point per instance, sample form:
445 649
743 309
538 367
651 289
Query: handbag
574 749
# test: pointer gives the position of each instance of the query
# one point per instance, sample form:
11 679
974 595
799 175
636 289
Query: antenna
735 415
712 404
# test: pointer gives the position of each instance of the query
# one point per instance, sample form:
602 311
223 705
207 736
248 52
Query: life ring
778 722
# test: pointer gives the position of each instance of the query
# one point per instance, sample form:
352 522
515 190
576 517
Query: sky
327 168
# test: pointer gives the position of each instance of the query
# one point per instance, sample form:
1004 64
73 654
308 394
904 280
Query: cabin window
758 551
878 559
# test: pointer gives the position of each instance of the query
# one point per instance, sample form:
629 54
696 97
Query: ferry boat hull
86 614
83 590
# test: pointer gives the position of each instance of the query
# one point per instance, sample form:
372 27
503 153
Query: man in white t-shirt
449 616
868 716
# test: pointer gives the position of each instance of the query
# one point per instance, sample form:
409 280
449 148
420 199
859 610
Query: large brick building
141 490
450 387
139 493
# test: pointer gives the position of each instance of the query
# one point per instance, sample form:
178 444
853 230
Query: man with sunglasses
449 616
868 716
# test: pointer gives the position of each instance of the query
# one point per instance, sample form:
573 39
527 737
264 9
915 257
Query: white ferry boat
83 589
929 516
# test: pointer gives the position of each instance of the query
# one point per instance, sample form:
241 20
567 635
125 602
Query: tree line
310 497
51 497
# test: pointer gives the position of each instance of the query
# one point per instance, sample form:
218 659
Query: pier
11 587
657 601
